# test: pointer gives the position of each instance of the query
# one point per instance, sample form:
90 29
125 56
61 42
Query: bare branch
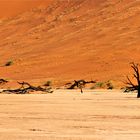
128 82
29 88
136 71
131 86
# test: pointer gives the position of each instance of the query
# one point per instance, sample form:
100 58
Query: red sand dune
10 8
71 39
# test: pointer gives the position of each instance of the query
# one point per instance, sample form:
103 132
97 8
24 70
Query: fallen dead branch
79 84
27 88
3 81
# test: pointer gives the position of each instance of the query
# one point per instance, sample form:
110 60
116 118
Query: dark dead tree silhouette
136 75
3 81
80 84
27 88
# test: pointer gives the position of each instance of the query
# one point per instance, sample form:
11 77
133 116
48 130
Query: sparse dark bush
99 84
9 63
48 83
109 85
3 81
93 87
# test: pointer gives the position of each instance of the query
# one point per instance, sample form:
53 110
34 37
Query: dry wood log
27 88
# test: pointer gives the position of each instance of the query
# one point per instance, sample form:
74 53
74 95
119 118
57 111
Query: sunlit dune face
10 8
72 39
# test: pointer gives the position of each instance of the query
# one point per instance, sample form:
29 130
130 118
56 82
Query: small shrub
9 63
48 83
3 81
109 85
72 19
93 87
100 84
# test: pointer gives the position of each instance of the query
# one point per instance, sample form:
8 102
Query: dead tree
130 85
80 84
3 81
27 88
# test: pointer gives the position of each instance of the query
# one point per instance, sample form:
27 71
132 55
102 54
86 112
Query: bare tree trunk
134 86
138 95
81 90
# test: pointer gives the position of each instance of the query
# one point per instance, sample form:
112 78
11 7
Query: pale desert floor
69 115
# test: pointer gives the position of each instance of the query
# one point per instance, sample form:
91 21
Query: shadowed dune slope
72 39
